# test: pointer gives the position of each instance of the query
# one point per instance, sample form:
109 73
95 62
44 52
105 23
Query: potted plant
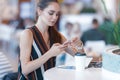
111 56
116 34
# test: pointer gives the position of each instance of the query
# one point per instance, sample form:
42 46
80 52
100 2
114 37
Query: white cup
80 60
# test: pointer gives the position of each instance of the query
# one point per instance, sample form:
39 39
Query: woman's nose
55 17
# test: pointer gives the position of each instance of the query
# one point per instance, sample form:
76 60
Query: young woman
41 43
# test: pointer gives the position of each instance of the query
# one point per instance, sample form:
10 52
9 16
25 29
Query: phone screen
67 67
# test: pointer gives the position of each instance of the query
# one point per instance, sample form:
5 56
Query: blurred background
89 20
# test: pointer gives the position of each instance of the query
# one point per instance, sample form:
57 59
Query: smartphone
67 67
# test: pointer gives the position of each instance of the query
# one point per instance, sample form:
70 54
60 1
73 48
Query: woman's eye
50 13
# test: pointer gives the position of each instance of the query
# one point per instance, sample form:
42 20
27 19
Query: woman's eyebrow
54 11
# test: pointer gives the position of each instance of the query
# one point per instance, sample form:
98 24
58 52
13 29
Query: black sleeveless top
39 47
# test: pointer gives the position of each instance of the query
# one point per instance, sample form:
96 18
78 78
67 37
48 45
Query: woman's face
50 14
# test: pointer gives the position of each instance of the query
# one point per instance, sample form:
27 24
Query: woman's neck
44 30
41 26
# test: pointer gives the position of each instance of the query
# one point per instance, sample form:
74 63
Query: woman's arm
26 40
74 45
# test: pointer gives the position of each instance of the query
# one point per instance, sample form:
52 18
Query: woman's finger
74 39
67 42
56 44
63 46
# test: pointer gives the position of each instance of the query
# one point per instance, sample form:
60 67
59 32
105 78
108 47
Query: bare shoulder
26 35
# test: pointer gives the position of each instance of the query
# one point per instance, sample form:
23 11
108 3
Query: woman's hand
77 45
74 45
56 49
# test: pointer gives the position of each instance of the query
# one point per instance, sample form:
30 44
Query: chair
5 66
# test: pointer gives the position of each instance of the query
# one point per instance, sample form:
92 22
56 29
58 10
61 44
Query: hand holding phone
68 42
73 46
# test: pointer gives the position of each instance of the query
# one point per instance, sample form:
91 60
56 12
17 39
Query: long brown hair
44 3
54 35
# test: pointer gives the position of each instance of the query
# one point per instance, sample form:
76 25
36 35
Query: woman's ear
39 11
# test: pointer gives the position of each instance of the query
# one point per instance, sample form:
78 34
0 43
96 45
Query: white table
71 74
